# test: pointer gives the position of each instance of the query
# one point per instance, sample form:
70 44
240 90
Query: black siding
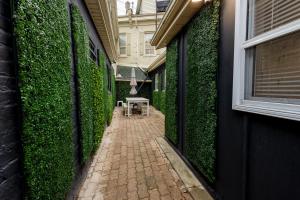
257 156
10 151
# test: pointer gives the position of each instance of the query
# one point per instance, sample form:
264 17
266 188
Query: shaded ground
130 164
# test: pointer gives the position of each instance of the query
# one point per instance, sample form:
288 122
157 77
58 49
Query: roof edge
177 16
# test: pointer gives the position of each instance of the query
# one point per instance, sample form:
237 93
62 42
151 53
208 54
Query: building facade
135 34
136 30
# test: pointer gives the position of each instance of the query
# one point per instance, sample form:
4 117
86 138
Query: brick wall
10 173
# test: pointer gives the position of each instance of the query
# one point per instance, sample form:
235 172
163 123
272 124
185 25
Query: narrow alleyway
130 164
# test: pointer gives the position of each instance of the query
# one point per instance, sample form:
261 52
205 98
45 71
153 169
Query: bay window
267 58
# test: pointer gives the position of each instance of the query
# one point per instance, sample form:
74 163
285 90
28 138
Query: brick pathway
130 164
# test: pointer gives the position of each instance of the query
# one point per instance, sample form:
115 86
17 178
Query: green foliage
159 99
156 99
44 72
110 107
85 75
163 102
171 92
201 117
114 91
123 89
106 93
98 120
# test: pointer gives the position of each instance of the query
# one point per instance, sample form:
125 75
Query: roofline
105 25
158 62
176 17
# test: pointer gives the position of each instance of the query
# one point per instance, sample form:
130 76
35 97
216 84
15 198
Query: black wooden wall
10 167
257 156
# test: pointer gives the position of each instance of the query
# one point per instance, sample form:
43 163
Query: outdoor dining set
135 105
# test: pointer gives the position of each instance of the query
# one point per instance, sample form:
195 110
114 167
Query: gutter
179 13
157 62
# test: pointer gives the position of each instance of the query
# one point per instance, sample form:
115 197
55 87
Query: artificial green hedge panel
85 75
123 89
156 99
98 100
162 101
106 93
171 92
202 64
44 72
159 99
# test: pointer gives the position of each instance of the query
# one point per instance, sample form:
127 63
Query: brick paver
130 165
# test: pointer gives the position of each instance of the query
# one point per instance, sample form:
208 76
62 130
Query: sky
121 6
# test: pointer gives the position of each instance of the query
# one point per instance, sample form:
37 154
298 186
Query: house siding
257 156
10 167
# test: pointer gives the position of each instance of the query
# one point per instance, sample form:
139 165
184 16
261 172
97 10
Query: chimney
128 8
129 11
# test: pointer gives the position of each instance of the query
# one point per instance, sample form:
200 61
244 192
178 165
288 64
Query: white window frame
154 52
156 82
123 55
281 110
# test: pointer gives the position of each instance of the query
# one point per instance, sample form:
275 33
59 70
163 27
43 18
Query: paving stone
130 165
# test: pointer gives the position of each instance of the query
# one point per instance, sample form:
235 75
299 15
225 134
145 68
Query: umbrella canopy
133 82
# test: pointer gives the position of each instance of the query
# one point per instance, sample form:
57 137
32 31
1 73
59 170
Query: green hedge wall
85 68
202 64
159 100
44 72
98 100
123 89
109 96
162 101
171 92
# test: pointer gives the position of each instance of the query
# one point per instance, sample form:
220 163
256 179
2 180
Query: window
122 44
267 52
149 50
156 82
93 51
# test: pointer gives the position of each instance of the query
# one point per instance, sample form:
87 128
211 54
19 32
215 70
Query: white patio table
137 100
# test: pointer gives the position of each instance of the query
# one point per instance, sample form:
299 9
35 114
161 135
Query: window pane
122 40
148 37
276 71
122 50
149 50
265 15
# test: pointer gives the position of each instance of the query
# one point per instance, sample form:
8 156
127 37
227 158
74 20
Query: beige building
135 33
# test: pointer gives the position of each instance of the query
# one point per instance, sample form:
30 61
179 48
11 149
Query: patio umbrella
133 83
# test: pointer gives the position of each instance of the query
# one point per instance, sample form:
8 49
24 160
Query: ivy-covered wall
171 109
201 87
43 42
123 89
